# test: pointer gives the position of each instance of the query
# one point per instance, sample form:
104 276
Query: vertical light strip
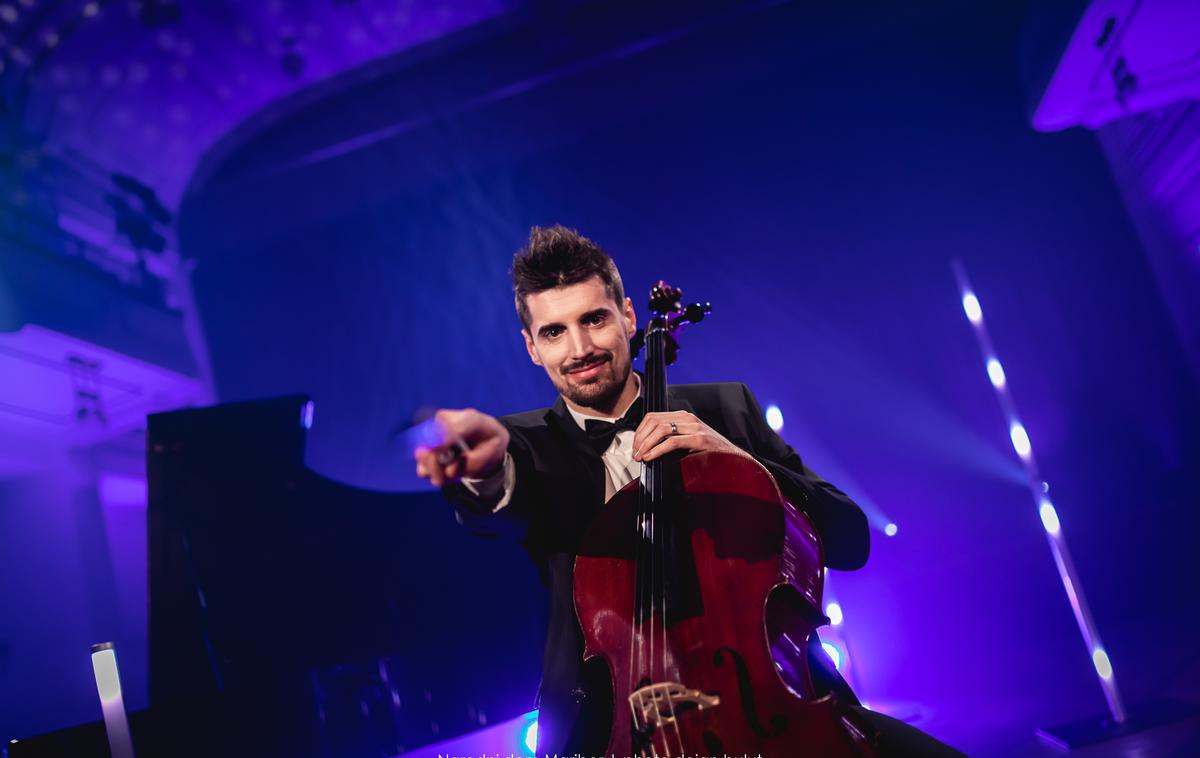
108 684
1039 489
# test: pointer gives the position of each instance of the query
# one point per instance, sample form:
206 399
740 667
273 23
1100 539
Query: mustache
587 363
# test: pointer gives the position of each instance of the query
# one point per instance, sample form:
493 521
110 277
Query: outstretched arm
475 464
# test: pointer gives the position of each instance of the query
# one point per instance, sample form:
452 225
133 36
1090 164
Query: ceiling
145 87
1124 57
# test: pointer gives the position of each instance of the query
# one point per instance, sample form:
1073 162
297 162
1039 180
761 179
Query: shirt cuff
499 485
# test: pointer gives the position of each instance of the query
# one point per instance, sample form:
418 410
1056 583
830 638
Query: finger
648 422
436 476
651 437
459 428
447 454
676 442
422 457
429 468
449 426
660 432
652 421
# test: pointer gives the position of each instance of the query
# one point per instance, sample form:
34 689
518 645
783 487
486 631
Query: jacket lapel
559 418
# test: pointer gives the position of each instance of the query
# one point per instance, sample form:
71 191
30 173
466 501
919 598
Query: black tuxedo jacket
559 488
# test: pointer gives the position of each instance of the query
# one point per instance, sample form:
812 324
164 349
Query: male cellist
541 475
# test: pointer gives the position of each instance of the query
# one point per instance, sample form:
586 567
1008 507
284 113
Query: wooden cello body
683 584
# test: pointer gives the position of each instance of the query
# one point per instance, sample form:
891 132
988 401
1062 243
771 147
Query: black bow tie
601 433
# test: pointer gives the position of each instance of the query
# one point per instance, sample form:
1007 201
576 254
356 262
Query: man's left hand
660 433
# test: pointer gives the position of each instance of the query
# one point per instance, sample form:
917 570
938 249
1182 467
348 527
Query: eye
552 332
595 319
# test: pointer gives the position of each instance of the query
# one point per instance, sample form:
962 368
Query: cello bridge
661 703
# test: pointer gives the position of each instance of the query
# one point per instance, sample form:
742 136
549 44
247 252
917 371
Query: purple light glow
122 491
126 109
510 737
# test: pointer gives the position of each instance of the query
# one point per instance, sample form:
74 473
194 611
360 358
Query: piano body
291 615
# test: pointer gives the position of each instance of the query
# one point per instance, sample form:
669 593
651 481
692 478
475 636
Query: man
541 476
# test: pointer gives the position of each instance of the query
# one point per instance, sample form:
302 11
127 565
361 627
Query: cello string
637 641
666 524
659 381
658 555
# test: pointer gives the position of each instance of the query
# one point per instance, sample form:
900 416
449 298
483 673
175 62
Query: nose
581 344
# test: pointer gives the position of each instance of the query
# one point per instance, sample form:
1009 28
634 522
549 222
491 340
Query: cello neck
654 389
654 396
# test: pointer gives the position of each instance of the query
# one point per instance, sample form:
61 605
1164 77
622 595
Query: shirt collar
581 419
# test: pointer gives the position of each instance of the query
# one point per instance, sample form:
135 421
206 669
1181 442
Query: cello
683 584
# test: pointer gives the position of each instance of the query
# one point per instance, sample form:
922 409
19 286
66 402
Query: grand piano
291 615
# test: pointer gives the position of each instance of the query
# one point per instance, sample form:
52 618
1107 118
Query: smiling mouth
586 372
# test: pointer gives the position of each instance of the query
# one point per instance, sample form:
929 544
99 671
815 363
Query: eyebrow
590 314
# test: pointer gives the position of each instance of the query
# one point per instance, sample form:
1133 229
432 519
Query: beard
600 392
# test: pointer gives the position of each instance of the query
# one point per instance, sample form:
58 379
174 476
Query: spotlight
774 417
1102 664
1039 489
971 306
1020 439
834 654
108 685
995 373
1049 516
834 612
529 736
890 529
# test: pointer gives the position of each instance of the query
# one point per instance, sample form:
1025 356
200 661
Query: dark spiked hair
556 257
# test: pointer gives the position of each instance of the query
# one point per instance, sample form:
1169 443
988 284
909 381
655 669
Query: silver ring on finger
674 429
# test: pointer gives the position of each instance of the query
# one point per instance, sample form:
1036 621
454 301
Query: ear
630 317
529 348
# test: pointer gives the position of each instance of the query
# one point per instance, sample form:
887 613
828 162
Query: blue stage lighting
1020 439
1102 664
971 306
834 612
890 529
995 373
529 735
1049 516
774 417
1039 490
834 654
